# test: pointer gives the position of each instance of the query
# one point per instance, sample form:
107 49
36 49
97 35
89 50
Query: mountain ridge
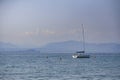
73 46
70 46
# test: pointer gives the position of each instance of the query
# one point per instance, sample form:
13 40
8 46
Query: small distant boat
81 54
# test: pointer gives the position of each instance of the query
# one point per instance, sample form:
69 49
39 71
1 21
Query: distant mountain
9 47
73 46
66 47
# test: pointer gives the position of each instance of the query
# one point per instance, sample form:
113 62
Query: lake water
37 66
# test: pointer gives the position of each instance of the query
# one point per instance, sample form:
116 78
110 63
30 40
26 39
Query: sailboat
81 54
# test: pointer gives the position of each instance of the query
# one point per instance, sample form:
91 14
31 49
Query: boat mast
83 38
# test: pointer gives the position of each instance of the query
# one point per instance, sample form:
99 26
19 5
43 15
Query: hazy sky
37 22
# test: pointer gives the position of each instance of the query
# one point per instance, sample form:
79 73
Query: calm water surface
36 66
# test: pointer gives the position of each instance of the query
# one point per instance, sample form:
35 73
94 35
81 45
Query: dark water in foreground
38 67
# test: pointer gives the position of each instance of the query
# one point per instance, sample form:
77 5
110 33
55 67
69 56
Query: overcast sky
33 23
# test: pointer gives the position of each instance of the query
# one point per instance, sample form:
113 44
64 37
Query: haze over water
34 23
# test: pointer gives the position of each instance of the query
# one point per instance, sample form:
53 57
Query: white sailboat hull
74 56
